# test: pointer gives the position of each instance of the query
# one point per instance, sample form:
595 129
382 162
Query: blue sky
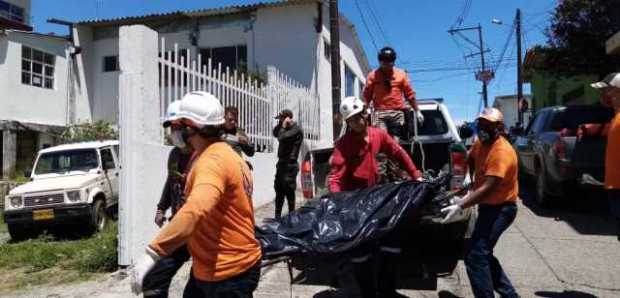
417 29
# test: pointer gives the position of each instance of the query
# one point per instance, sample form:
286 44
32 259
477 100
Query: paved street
567 251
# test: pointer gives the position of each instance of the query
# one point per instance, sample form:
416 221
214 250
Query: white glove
420 117
456 200
450 211
141 268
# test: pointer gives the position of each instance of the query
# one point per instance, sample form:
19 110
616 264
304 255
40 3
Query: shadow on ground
587 212
565 294
413 274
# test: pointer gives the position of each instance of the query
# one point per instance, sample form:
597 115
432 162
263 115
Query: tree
87 131
577 36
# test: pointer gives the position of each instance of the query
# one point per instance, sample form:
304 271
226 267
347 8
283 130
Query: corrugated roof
194 13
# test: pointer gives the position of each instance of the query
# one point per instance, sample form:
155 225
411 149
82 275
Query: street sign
485 76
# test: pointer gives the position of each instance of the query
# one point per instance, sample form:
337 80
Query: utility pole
519 68
483 75
334 30
485 95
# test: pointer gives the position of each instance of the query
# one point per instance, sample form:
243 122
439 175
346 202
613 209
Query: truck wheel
20 232
98 218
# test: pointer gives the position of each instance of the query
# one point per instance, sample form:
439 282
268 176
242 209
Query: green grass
47 260
3 228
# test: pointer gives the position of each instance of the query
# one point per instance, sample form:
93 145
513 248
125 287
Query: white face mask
177 139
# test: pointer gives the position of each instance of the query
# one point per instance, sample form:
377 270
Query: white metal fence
257 103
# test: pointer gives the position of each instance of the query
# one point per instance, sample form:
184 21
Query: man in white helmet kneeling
217 220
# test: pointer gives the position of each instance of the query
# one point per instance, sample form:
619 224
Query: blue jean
484 270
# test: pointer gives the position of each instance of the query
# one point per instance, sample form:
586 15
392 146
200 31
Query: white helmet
202 108
351 106
172 113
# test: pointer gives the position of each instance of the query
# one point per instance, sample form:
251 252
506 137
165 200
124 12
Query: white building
33 87
41 94
509 106
290 35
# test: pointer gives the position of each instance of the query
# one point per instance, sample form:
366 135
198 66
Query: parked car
552 152
72 184
439 140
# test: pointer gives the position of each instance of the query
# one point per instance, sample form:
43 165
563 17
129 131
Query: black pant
285 184
375 268
157 282
240 286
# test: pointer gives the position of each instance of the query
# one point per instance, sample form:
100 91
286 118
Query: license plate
45 214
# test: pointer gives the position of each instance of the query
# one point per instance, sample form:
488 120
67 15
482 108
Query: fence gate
155 73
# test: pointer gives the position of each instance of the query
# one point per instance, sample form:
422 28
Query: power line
372 9
372 38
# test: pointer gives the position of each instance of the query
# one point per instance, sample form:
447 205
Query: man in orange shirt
610 87
495 192
385 88
217 219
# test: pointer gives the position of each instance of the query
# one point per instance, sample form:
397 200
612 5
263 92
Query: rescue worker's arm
337 170
369 89
395 151
490 183
247 148
207 189
409 93
164 201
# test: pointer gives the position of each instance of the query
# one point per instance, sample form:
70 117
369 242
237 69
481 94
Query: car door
110 172
526 143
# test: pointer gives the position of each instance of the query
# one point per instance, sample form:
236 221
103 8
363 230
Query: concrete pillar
143 156
9 153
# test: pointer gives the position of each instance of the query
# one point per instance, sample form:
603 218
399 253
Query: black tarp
340 222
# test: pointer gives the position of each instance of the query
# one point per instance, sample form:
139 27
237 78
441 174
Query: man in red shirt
353 166
385 88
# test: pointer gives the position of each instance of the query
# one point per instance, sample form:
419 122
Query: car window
572 117
434 123
537 124
106 159
67 161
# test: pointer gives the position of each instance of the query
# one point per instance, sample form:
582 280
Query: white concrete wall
27 103
264 173
143 156
105 90
84 82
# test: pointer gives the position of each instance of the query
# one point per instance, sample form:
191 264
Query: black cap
284 113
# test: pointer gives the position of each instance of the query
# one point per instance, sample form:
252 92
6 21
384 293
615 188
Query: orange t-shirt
499 160
612 157
217 221
386 91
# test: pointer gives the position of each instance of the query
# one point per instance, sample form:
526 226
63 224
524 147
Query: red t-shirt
353 163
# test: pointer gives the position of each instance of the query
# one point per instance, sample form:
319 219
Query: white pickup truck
72 184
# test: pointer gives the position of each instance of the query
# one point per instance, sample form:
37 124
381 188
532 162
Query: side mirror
465 132
28 172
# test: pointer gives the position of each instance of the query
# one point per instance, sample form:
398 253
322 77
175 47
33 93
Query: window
234 57
37 68
12 12
434 123
110 63
67 161
107 161
327 51
349 80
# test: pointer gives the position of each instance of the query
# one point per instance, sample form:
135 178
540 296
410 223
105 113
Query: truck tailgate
587 156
